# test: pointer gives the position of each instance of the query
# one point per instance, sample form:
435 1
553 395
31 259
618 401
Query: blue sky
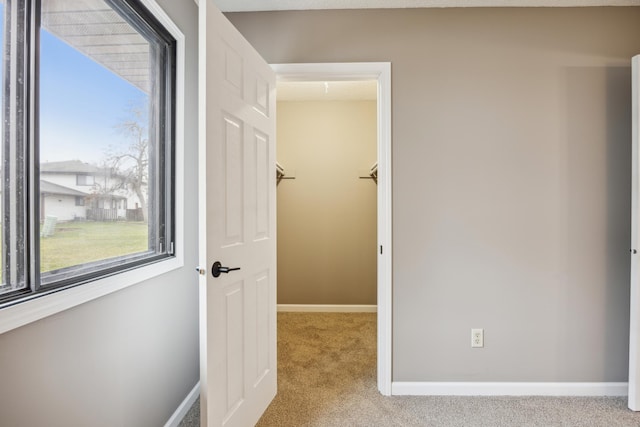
81 102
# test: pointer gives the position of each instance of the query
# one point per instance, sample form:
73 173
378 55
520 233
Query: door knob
217 268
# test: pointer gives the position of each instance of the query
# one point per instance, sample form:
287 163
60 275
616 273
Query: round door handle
217 269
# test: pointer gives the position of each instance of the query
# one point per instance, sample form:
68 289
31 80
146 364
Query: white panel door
237 225
634 338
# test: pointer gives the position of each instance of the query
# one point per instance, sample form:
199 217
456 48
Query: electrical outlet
477 338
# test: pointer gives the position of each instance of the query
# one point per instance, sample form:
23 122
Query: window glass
80 179
94 134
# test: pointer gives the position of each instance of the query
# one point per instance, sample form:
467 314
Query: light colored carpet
326 377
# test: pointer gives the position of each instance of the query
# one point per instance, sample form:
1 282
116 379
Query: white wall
511 180
63 207
69 180
126 359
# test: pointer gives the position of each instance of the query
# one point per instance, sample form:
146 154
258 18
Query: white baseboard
328 308
184 407
508 389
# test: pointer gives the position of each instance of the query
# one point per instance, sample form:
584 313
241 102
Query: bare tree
129 165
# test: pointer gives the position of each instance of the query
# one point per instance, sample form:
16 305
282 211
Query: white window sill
26 312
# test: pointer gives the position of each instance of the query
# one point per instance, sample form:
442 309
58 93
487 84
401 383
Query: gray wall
129 358
327 214
511 180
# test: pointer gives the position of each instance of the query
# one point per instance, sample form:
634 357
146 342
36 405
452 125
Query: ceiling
265 5
366 90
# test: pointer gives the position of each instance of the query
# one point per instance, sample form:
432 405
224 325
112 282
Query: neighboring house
64 203
72 189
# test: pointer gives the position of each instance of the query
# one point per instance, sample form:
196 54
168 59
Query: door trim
380 71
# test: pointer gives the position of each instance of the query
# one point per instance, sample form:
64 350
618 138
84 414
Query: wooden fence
112 215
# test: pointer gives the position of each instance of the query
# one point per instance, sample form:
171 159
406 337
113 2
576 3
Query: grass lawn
75 243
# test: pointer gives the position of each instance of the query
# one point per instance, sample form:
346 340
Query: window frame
33 306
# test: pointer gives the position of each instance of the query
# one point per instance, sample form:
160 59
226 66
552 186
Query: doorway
326 196
380 73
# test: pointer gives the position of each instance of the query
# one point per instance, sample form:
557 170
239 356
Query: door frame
380 71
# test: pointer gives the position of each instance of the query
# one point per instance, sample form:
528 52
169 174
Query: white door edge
380 71
634 315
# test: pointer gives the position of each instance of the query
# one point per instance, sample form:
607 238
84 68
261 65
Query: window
84 179
88 104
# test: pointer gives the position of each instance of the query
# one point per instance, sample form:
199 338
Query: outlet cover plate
477 338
